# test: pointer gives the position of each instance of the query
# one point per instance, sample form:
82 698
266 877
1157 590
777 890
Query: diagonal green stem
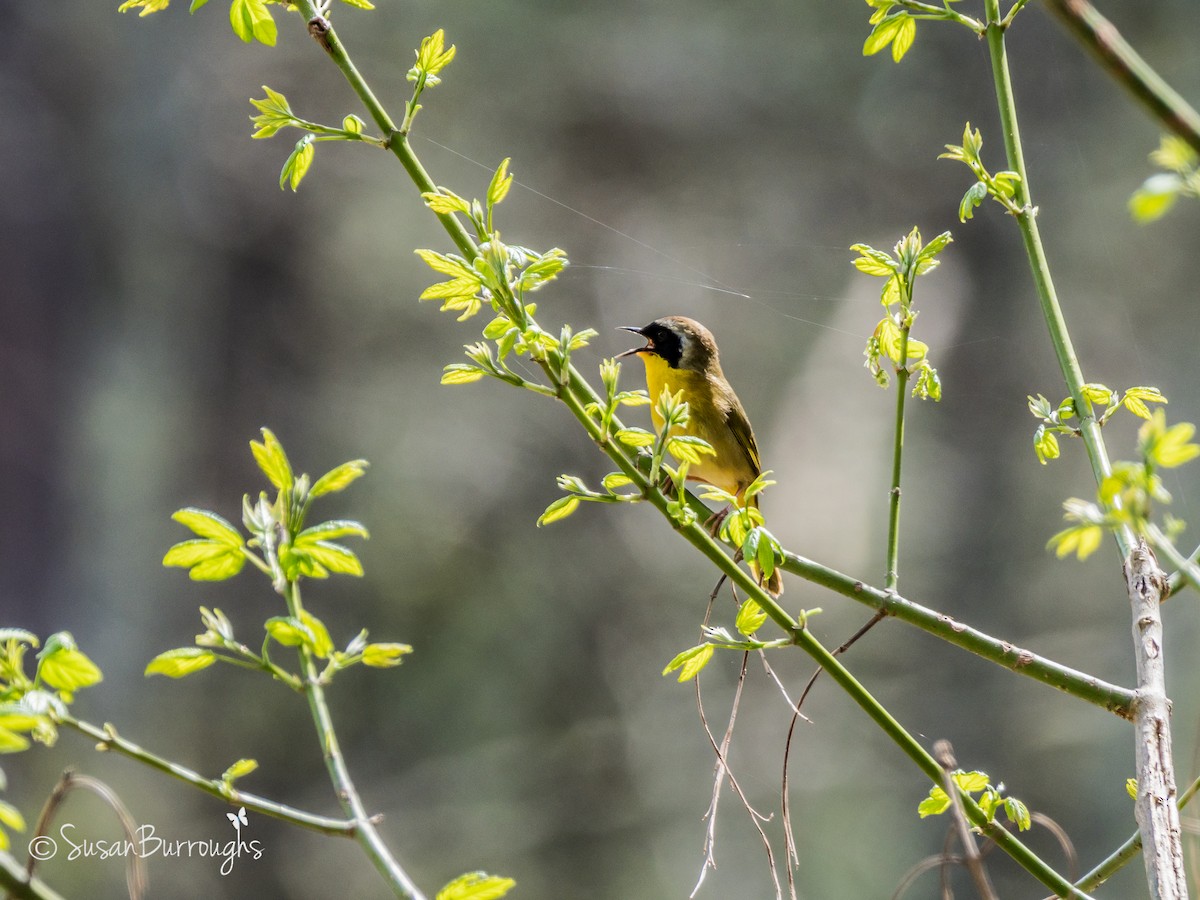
1101 38
1078 684
1056 323
365 832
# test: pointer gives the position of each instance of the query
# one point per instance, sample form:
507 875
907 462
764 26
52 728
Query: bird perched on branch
681 355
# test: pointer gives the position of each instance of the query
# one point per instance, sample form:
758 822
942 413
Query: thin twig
722 772
136 879
944 754
107 739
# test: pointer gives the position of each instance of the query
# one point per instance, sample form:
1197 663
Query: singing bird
681 355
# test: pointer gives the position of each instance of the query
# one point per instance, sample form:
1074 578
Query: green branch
364 825
1101 38
1064 350
891 577
1078 684
107 739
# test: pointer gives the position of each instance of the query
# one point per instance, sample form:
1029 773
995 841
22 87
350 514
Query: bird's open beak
634 351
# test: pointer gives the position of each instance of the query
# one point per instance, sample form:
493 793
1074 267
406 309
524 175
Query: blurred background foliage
163 300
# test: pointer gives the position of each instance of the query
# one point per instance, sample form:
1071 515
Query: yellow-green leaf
501 182
559 509
905 33
476 886
935 804
238 770
461 373
1082 540
251 20
688 449
273 461
218 568
208 525
635 437
690 661
445 202
384 656
339 478
181 662
750 617
10 817
68 669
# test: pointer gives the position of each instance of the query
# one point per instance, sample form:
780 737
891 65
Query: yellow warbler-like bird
681 355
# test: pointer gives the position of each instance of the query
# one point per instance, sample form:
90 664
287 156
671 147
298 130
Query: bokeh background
162 300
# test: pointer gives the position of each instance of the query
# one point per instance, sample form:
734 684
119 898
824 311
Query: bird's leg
714 521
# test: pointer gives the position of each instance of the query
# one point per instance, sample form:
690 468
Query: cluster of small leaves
275 114
1159 192
895 23
29 706
281 546
991 799
432 56
892 338
476 886
614 398
1126 497
1054 420
500 277
251 19
743 526
893 27
750 618
1001 187
672 411
219 550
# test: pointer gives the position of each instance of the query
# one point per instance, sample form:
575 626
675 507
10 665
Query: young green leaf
275 113
635 437
690 662
935 804
297 164
461 373
251 21
339 478
476 886
181 662
1155 197
750 617
209 525
63 666
559 509
239 769
1082 540
384 656
501 182
273 461
1045 445
444 201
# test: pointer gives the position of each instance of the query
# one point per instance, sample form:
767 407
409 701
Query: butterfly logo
237 820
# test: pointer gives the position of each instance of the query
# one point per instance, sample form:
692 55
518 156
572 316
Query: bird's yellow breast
708 411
